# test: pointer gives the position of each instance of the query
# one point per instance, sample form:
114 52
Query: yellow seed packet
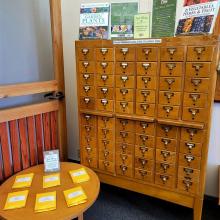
16 200
45 202
75 196
22 181
79 176
51 180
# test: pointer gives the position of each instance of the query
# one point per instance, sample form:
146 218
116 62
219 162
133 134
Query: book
163 18
122 19
94 21
142 26
75 196
51 180
197 17
79 176
45 202
16 200
22 181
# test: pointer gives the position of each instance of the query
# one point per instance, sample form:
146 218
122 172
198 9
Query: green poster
122 19
164 16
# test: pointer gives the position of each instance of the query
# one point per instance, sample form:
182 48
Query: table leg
80 217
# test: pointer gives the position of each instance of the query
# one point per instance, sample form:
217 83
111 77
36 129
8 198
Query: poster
142 26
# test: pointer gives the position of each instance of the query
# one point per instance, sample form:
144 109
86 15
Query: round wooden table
90 187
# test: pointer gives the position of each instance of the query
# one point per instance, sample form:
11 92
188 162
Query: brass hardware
124 65
196 82
124 51
87 117
123 168
124 79
168 95
104 65
104 90
169 81
197 67
123 157
124 105
189 158
142 172
104 102
87 100
123 134
104 78
105 120
106 163
166 141
146 65
193 111
190 146
85 51
166 128
146 51
86 76
89 160
164 178
143 161
143 149
88 139
199 51
194 97
106 153
191 132
86 89
145 107
168 109
144 138
165 154
85 64
104 51
105 142
146 80
171 66
165 167
188 184
188 171
144 125
88 128
145 94
88 149
105 131
171 51
123 91
124 123
124 147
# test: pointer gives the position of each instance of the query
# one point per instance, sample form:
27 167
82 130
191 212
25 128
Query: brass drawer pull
190 146
86 76
85 64
88 128
104 102
123 168
146 80
87 100
197 67
166 128
85 51
165 154
124 65
123 134
87 117
196 82
86 89
145 107
188 171
194 97
124 79
146 51
143 149
89 160
199 51
124 146
88 149
168 109
105 142
146 65
142 172
165 167
166 141
104 65
171 66
105 120
124 123
193 111
169 81
124 51
105 131
124 105
189 158
145 94
106 153
104 78
164 178
144 124
88 139
191 132
123 91
187 184
104 51
106 164
142 161
171 51
144 138
168 95
123 157
104 90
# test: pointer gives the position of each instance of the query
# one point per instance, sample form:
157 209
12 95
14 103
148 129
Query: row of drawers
174 53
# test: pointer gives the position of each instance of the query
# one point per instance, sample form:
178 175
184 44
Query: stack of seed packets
79 176
75 196
22 181
45 202
51 180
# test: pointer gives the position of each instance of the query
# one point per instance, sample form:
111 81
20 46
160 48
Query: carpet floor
118 204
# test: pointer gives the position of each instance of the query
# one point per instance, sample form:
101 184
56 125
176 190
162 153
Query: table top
90 187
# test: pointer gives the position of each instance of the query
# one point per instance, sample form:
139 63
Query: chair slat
39 138
53 121
47 131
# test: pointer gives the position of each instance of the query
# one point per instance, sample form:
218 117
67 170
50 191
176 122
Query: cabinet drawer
85 53
124 94
145 68
144 164
192 134
124 170
88 119
172 53
143 127
105 133
127 68
146 82
105 144
145 140
189 160
86 79
124 148
171 83
106 155
147 54
88 141
198 69
171 69
89 161
144 152
168 131
87 103
165 180
166 143
165 156
188 173
125 81
88 130
106 122
145 109
148 96
169 98
125 159
105 67
165 168
194 114
124 107
125 137
195 99
86 66
125 53
105 80
188 186
125 125
191 148
105 105
107 166
200 53
89 151
105 93
104 54
167 111
86 90
197 84
144 175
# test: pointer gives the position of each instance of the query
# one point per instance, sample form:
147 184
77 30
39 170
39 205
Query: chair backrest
24 135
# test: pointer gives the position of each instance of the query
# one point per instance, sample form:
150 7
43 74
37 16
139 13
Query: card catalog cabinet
144 114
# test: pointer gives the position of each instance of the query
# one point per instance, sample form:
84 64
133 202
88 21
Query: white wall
70 16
